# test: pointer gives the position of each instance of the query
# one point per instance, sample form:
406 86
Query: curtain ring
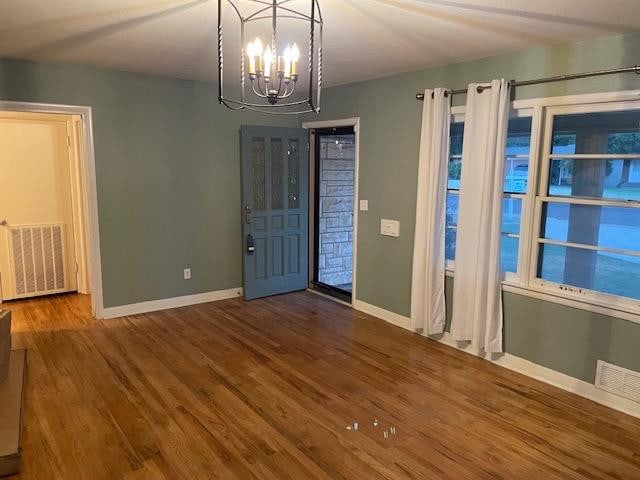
446 94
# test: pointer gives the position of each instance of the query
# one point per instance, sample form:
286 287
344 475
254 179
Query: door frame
89 192
344 122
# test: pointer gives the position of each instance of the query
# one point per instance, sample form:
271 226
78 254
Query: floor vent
618 380
37 254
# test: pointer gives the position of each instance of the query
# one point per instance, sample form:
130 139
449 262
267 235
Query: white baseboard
552 377
389 317
517 364
570 384
166 303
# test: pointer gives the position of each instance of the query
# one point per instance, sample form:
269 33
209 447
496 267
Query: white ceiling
363 38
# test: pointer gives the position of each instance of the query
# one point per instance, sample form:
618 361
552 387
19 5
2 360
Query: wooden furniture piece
5 343
11 385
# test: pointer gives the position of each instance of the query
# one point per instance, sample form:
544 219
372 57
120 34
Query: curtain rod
559 78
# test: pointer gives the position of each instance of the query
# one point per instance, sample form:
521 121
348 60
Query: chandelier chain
320 66
242 60
220 62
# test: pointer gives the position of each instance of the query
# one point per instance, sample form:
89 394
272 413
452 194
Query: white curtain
427 288
477 297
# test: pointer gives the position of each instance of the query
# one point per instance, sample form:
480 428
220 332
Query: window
589 202
516 170
571 200
453 186
516 177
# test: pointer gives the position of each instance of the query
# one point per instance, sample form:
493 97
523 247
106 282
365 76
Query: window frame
525 282
525 197
457 116
542 196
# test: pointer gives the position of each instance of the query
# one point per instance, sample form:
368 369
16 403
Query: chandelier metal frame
273 9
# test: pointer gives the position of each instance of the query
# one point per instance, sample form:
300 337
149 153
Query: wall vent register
618 380
37 254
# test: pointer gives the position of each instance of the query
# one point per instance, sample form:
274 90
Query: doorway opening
334 192
43 205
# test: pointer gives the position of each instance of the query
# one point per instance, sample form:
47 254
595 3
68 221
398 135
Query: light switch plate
390 228
364 205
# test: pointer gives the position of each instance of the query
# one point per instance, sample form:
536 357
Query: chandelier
269 71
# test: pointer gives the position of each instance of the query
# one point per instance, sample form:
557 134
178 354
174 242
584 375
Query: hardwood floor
265 390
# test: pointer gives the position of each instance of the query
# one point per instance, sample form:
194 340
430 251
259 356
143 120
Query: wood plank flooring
265 390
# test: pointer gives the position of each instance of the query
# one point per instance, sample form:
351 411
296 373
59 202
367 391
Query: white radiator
38 259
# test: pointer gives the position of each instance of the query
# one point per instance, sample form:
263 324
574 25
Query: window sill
588 304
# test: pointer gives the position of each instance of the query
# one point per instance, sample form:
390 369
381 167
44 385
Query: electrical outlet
187 273
364 205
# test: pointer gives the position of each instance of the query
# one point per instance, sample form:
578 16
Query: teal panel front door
275 206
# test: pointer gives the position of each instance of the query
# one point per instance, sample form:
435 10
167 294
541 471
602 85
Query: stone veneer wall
337 172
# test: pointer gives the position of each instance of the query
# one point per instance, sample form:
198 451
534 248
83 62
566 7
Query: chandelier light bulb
268 63
295 57
270 67
258 46
257 50
287 62
251 53
280 66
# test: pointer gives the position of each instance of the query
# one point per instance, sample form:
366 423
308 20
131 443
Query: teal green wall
169 184
568 339
565 339
168 175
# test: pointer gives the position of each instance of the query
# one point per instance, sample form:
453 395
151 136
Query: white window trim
525 282
515 276
457 116
523 252
616 304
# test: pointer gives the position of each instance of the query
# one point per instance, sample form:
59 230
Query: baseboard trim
389 317
552 377
166 303
516 364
